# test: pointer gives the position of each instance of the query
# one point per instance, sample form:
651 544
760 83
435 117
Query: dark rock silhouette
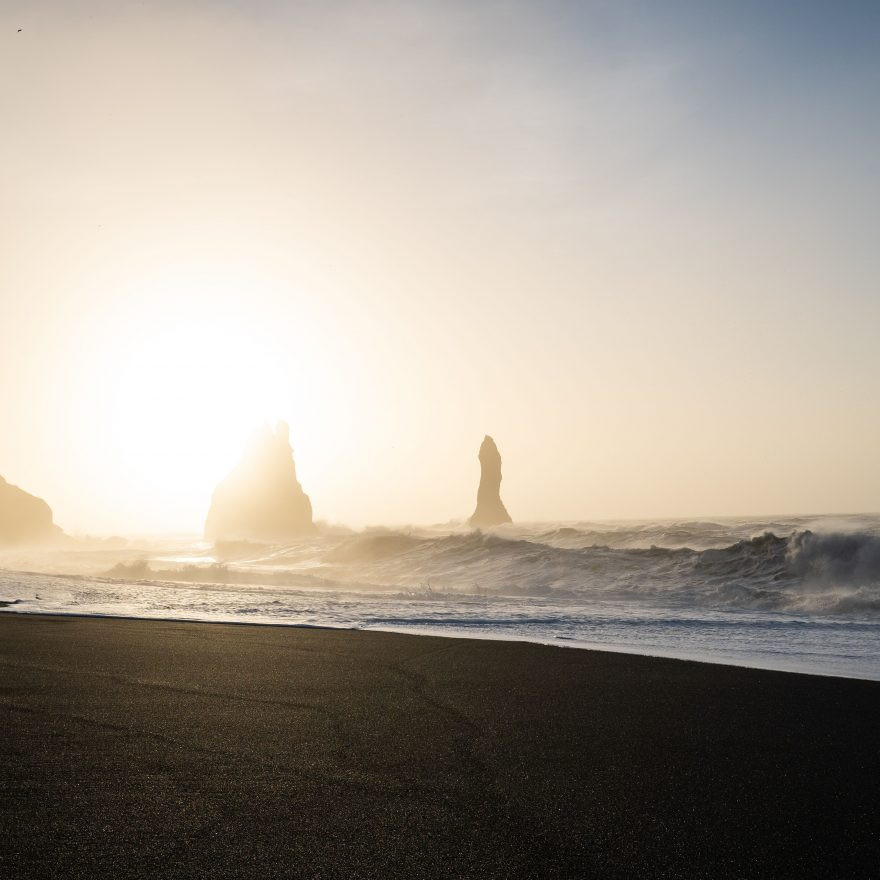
490 508
261 500
24 518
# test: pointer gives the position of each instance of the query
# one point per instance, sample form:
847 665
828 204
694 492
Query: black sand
153 749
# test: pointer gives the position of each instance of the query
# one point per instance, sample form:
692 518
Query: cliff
24 518
490 508
261 500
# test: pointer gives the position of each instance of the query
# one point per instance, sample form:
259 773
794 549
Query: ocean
791 593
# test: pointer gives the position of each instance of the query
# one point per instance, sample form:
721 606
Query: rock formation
490 508
261 500
24 518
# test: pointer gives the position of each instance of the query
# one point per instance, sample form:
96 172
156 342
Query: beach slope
136 748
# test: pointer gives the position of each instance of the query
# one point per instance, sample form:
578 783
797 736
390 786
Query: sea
799 594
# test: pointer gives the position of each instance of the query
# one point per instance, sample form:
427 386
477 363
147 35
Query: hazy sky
636 242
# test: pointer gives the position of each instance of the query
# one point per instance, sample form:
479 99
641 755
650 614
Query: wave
835 558
805 571
371 547
813 571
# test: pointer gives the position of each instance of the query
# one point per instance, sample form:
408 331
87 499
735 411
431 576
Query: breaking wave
806 572
798 565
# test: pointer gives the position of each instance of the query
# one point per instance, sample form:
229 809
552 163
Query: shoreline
575 644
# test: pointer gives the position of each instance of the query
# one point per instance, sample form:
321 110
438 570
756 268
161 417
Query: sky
635 242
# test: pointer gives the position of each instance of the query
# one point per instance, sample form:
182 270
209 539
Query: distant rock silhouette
24 518
261 500
490 508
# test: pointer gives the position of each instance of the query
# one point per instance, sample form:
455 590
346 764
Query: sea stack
261 500
490 508
24 518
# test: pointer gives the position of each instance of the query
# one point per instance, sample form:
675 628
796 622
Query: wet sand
139 748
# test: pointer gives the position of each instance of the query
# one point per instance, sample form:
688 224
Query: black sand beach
156 749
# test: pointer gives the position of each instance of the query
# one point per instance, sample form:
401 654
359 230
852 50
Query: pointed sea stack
490 508
25 519
261 500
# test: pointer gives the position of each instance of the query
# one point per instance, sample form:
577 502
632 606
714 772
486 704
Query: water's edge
786 669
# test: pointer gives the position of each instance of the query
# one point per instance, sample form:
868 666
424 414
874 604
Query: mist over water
792 593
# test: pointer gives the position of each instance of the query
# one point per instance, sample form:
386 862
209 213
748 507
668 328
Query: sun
183 374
